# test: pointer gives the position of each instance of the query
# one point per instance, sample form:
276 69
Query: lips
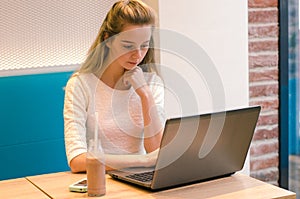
133 63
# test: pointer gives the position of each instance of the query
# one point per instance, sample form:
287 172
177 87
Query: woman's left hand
135 77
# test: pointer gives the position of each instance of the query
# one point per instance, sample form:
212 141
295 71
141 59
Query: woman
113 93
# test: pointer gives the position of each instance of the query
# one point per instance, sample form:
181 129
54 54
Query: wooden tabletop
233 187
20 188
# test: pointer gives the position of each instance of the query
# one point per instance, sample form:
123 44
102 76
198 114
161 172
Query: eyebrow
131 42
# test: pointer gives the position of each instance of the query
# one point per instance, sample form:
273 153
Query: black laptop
198 148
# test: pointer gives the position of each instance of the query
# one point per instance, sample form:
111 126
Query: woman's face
129 48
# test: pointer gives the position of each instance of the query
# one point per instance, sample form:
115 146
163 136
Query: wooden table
234 187
20 188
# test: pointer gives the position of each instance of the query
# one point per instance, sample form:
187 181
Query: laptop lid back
205 146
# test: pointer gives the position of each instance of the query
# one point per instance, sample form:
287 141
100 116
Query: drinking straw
96 132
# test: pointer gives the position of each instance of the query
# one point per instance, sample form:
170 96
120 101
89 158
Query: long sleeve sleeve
75 118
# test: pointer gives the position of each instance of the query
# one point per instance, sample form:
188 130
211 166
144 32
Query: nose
137 53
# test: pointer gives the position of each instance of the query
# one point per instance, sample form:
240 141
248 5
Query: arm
75 116
151 100
78 164
152 126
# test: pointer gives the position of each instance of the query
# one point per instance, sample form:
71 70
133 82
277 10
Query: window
289 96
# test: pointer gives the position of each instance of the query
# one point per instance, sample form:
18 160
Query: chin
130 67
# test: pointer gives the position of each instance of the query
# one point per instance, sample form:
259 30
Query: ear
108 41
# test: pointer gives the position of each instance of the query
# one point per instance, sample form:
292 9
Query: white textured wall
40 34
220 28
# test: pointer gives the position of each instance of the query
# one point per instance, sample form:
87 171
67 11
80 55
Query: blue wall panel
31 124
293 123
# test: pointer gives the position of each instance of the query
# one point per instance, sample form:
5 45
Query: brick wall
263 87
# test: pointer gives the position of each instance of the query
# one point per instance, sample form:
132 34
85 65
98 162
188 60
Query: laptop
198 148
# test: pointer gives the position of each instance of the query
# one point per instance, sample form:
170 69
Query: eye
128 47
145 45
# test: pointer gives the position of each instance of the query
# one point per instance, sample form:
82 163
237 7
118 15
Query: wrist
142 160
143 92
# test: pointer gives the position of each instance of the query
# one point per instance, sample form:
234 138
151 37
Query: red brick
258 46
264 148
263 57
263 60
263 90
262 16
268 162
266 105
262 3
264 120
268 175
263 31
264 75
266 133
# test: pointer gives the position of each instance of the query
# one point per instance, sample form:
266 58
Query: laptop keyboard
143 177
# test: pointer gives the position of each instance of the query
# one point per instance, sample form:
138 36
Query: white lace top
120 120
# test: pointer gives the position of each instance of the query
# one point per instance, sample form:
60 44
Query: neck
112 74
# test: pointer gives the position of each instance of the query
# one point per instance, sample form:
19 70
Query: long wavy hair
124 12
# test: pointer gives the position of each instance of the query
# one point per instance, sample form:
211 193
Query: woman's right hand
150 158
135 78
131 160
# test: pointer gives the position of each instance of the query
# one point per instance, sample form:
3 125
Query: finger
134 68
126 78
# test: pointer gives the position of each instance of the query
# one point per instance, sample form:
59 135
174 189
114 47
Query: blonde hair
133 12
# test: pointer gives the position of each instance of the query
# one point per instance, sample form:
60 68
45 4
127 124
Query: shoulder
81 76
81 84
81 79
